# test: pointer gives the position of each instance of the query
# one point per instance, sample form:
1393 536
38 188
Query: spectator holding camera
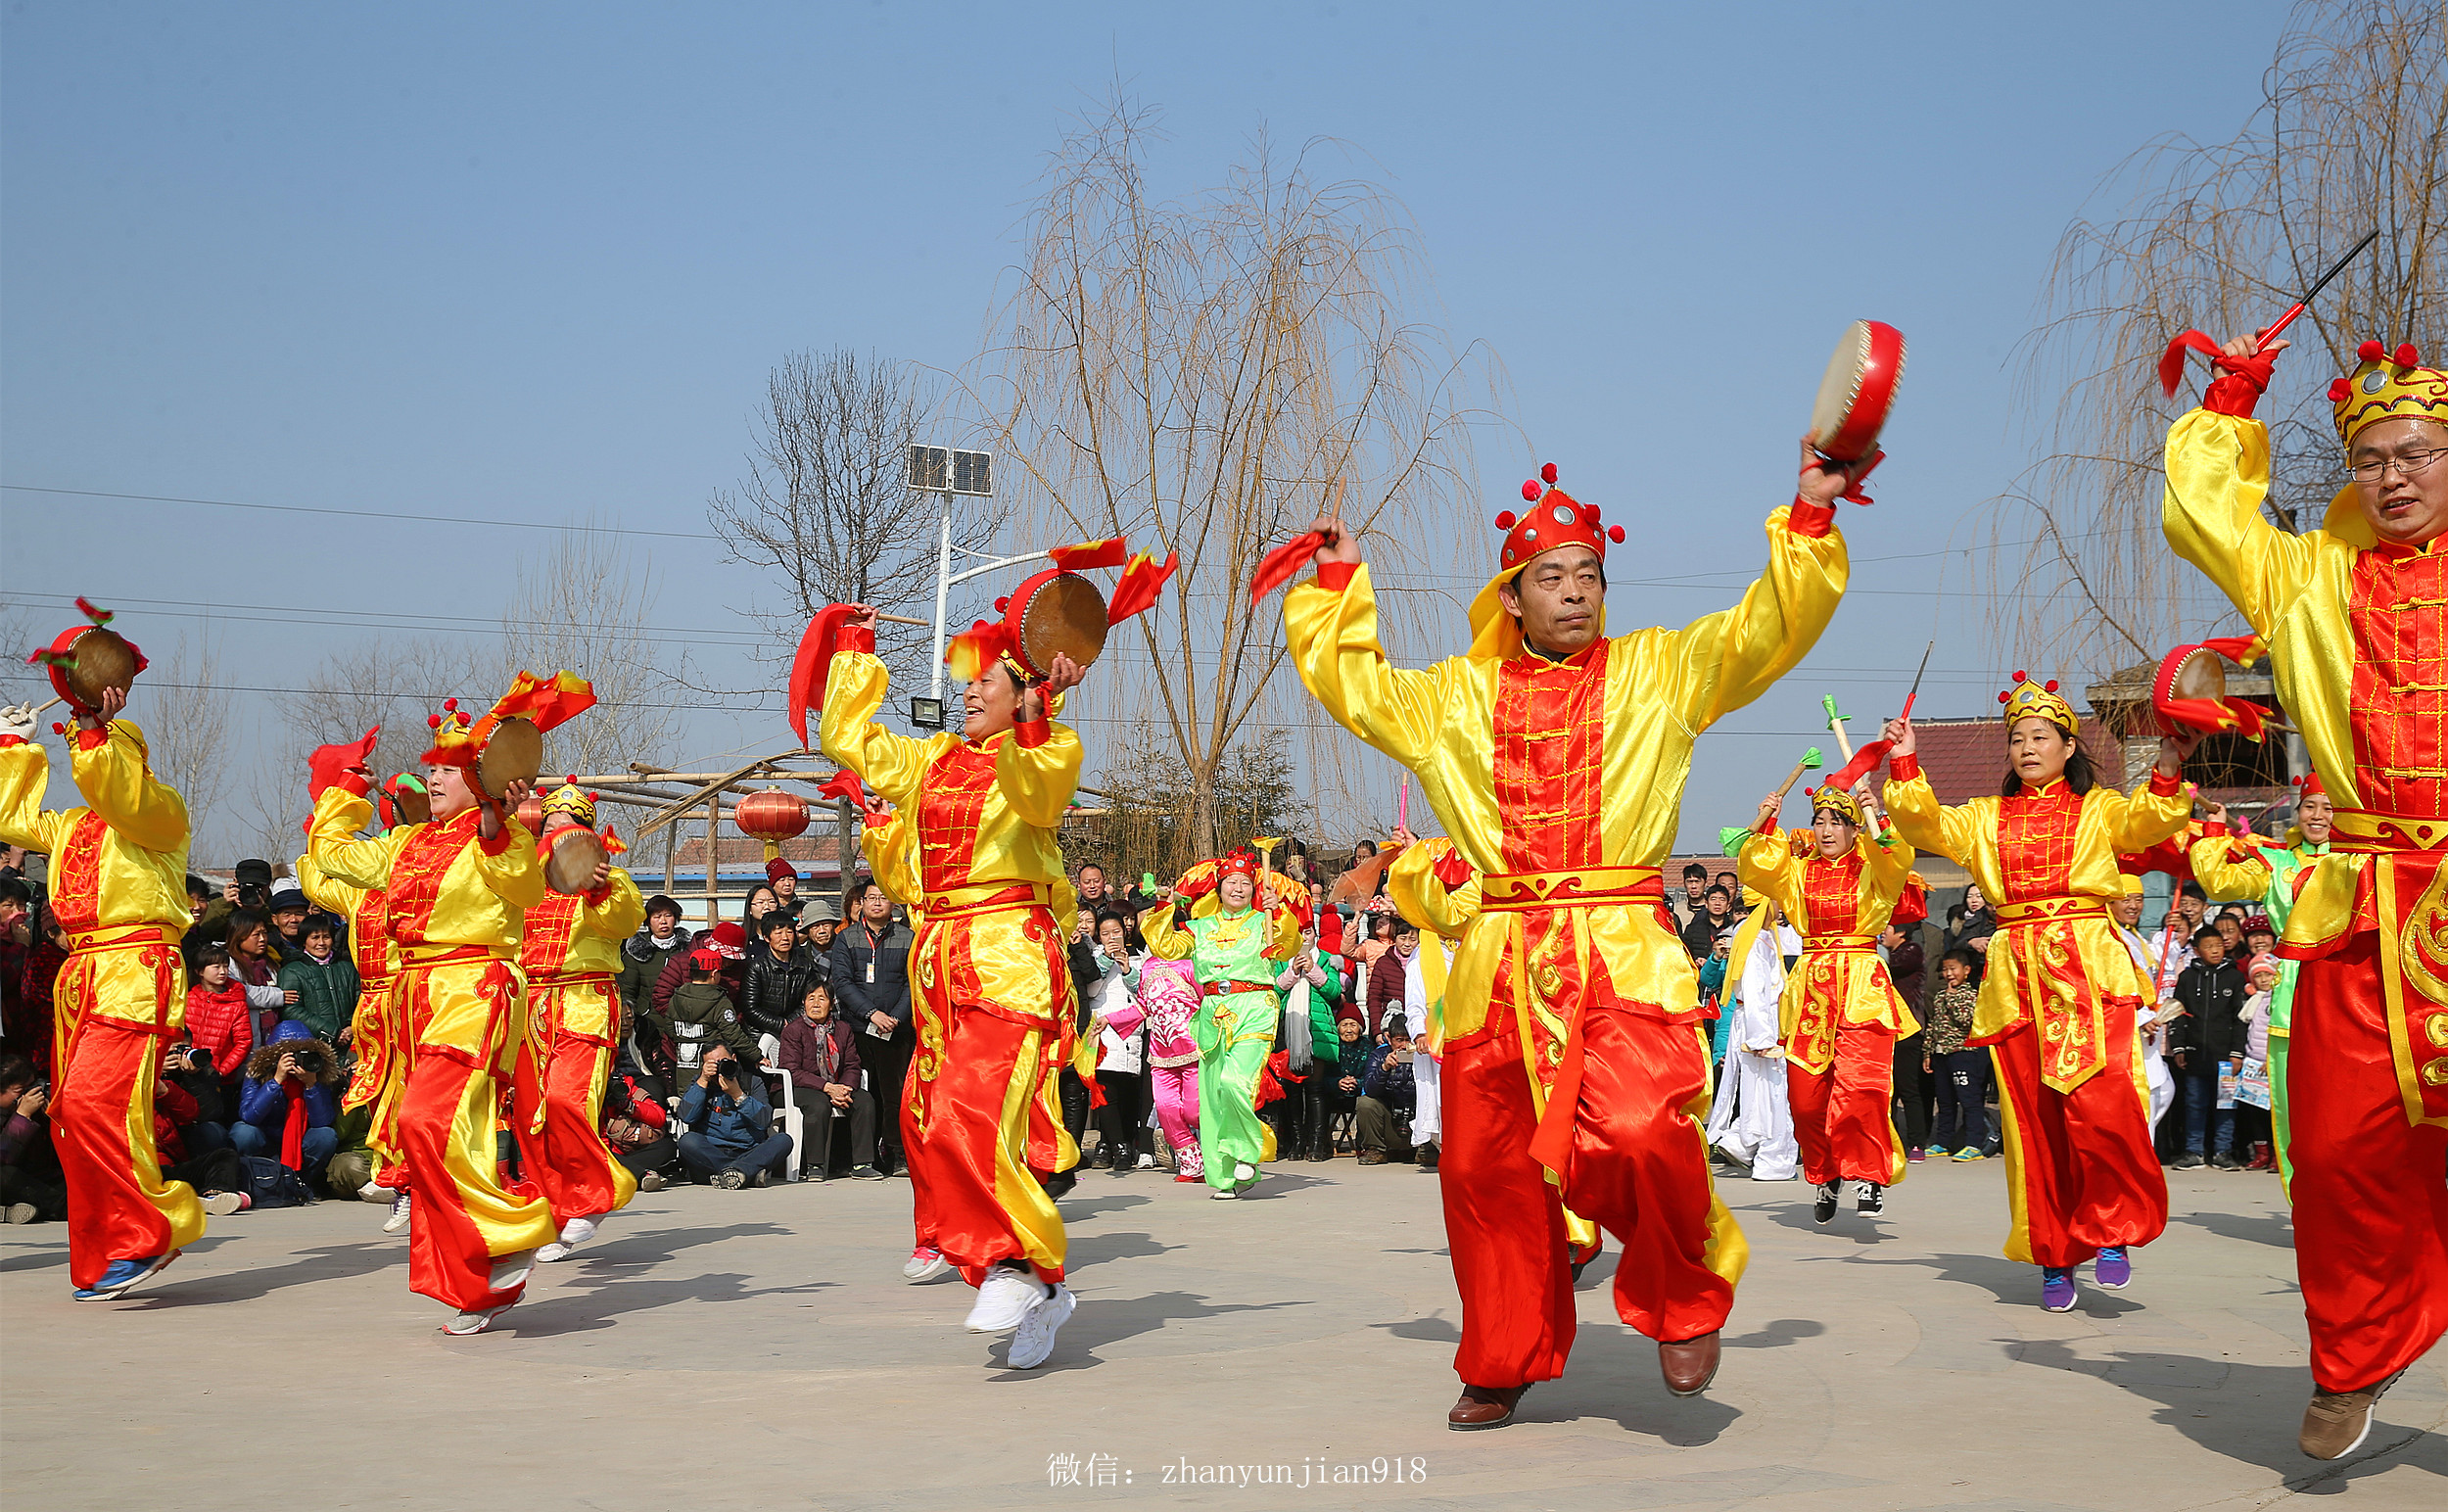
31 1187
698 1017
320 985
731 1141
291 1102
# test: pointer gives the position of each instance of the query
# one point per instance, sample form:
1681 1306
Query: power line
360 514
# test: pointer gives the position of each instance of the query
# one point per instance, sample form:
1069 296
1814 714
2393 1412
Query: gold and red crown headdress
575 801
2027 699
1839 801
2388 386
543 702
1553 521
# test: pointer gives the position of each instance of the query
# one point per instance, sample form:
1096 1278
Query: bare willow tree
396 682
2351 136
825 508
1199 374
186 720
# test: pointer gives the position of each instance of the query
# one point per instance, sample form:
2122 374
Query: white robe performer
1751 1121
1428 1124
2152 1032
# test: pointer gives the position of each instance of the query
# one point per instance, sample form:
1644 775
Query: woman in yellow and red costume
2058 1004
1841 1017
118 867
457 889
1575 1070
990 980
2355 617
572 959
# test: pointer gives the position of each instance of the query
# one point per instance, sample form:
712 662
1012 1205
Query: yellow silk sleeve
1726 659
1420 895
890 763
2142 818
333 846
328 893
1769 867
1887 869
2224 879
1928 825
1163 937
24 774
892 860
2218 470
513 871
1331 639
1038 781
119 785
618 914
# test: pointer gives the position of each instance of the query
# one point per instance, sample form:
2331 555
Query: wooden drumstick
1810 762
903 619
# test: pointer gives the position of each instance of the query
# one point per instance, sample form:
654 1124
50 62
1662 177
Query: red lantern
772 815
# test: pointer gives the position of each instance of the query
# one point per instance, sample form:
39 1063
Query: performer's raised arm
890 765
2218 471
109 760
332 843
24 774
1725 660
1329 628
1038 769
1913 804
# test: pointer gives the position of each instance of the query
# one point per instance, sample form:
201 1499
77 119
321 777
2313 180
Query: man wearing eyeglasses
2355 616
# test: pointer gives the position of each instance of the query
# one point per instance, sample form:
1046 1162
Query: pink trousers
1176 1090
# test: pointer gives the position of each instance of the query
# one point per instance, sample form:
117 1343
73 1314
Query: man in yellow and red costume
572 959
1840 1017
1574 1063
2355 617
990 981
457 889
119 870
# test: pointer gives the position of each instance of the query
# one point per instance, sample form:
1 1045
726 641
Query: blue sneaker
2112 1269
122 1277
2056 1287
1968 1152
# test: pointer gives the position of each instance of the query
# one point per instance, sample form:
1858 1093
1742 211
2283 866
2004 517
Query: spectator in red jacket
217 1020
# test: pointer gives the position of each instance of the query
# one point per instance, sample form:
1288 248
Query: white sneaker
220 1205
1035 1339
510 1271
1243 1172
1003 1299
1148 1161
370 1192
399 1218
925 1263
476 1322
578 1231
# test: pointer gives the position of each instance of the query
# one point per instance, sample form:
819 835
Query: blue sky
533 262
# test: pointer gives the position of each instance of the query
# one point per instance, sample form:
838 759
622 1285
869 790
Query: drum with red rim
1858 391
1055 613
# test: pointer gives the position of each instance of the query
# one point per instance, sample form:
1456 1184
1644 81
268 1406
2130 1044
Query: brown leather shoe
1372 1157
1689 1365
2336 1423
1485 1407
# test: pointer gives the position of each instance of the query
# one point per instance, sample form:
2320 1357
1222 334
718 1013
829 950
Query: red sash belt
1225 989
414 956
568 979
1016 899
164 937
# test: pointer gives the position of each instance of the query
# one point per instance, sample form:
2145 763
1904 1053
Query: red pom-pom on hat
1530 491
2022 677
2049 686
2407 356
1548 472
2338 389
451 704
1507 519
2370 352
1614 533
1003 605
2003 698
433 722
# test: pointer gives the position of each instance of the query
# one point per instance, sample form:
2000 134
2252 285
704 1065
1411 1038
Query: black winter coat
2210 1029
777 988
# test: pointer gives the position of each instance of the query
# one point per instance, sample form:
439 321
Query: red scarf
293 1128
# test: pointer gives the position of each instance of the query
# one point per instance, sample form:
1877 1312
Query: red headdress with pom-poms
2027 699
1551 521
2388 386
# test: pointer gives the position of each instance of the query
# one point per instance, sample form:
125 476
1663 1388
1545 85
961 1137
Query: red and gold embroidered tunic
1839 905
2047 860
444 886
1562 780
2357 632
118 871
572 958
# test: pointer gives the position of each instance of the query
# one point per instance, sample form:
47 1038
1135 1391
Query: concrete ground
735 1349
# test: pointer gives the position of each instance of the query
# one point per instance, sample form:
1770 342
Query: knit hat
777 869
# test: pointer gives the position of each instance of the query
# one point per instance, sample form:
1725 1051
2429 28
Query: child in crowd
2252 1122
217 1020
1963 1074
